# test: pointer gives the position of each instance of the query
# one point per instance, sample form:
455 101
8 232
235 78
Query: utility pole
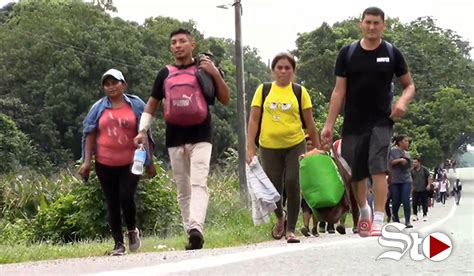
241 112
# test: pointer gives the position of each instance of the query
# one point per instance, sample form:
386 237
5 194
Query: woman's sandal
277 235
292 239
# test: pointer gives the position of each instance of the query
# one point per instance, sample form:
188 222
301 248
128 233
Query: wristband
145 122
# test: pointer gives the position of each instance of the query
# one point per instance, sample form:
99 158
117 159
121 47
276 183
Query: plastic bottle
139 160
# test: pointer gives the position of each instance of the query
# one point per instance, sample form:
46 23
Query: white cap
116 74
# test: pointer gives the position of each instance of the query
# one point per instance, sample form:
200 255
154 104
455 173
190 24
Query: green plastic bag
320 181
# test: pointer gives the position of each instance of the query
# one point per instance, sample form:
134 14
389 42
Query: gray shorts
367 153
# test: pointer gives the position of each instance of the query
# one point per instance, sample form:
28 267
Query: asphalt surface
327 254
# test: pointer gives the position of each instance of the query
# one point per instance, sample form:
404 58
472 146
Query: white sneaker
134 240
376 229
415 218
425 218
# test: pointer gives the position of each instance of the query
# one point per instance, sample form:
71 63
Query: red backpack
184 104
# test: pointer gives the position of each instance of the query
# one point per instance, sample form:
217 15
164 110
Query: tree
53 53
17 150
439 62
105 5
453 119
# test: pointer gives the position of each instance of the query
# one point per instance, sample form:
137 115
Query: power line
76 49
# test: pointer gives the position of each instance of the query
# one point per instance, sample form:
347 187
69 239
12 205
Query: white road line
214 261
430 227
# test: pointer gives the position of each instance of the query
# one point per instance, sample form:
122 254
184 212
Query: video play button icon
437 246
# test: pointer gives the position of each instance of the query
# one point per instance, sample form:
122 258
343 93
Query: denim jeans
400 193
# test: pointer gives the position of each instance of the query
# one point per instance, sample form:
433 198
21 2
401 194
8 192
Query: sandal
291 238
305 231
277 235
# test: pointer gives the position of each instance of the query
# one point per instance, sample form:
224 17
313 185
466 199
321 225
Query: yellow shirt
281 124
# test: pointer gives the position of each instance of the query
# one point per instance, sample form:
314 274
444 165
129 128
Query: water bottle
139 160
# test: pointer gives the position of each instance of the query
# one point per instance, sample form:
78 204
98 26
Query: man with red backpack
184 89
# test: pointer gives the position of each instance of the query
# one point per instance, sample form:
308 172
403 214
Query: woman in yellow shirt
282 139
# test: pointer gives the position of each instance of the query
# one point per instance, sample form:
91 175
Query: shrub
224 199
23 194
81 214
157 210
15 232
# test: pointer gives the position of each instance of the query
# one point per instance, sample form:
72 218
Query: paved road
329 254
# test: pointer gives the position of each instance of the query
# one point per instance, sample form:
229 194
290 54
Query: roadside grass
228 224
238 230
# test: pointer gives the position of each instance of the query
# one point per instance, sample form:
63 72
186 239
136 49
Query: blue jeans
400 193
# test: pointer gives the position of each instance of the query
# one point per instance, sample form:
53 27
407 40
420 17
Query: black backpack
267 86
391 54
353 46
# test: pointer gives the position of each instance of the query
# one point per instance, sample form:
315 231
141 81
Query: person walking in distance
188 127
421 185
457 188
400 188
443 190
108 132
364 72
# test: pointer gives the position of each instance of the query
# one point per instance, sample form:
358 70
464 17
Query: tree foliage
53 54
440 117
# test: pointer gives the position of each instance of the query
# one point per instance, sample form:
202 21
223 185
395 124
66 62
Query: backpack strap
267 86
351 50
298 93
389 47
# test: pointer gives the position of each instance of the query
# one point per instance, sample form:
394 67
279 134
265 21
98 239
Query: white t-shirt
444 184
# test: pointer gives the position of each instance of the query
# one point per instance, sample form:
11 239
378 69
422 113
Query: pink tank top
116 130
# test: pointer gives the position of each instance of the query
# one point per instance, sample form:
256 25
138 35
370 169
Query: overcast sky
272 25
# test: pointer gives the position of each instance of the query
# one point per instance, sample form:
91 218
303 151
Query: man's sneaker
355 230
195 240
119 250
415 218
305 231
364 227
425 218
134 240
341 229
376 229
408 225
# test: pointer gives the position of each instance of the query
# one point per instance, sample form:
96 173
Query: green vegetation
71 221
441 118
53 54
